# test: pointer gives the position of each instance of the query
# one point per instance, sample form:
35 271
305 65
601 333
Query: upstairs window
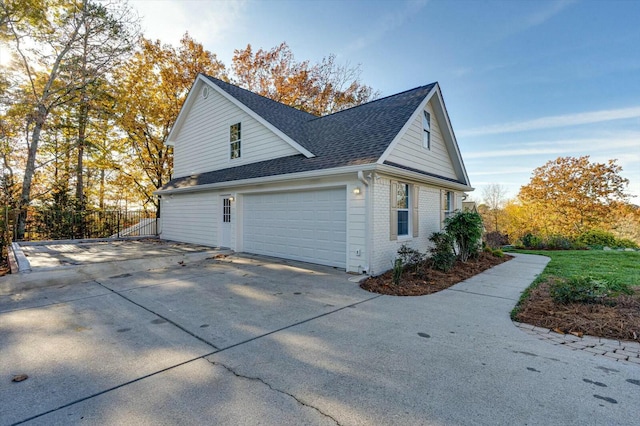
235 141
426 130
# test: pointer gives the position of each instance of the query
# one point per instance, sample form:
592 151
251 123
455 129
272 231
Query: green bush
627 243
442 255
531 241
586 289
597 238
466 229
498 253
558 242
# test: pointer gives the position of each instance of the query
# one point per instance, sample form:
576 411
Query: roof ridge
375 100
215 80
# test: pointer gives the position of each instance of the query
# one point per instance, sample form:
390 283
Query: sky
524 81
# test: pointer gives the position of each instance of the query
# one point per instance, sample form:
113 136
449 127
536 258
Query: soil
431 280
615 318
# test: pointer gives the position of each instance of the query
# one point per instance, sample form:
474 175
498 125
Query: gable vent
205 92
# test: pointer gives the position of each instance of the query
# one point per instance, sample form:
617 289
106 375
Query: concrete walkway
248 340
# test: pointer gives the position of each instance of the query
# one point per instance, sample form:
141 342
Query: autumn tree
571 195
320 89
151 88
494 197
45 37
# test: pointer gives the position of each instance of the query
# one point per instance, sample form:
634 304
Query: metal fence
70 224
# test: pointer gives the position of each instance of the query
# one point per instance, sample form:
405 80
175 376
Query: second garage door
310 226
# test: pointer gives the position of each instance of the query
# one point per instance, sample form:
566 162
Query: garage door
309 225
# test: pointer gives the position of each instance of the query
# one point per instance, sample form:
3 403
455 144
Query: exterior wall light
232 199
356 190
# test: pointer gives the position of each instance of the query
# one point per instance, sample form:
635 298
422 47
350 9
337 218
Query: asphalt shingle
354 136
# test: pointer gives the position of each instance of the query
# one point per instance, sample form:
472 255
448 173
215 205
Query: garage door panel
307 225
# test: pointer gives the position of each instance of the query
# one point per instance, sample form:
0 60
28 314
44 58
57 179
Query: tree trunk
29 171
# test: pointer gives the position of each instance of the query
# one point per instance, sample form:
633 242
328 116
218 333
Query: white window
235 141
402 207
449 206
403 210
426 130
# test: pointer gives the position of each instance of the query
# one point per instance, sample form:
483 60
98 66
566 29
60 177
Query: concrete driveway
249 340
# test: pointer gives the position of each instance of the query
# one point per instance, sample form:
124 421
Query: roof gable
364 134
272 112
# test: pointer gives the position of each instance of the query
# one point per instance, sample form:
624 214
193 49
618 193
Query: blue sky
524 81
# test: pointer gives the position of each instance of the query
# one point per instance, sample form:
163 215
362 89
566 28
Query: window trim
407 209
426 130
413 217
237 142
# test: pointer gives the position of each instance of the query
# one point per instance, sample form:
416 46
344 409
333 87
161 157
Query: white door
225 222
310 226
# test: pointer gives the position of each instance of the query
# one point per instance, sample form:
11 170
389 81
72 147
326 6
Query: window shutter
443 206
393 212
415 202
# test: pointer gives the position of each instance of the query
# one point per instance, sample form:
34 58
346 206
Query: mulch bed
432 281
617 318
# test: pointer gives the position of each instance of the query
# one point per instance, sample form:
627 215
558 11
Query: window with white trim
403 210
235 141
226 210
426 130
449 206
402 207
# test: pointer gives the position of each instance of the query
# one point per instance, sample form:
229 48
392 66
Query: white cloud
557 121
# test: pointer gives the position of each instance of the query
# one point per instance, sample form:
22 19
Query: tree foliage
86 103
572 195
319 89
150 90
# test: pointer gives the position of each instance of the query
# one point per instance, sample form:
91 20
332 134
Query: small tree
466 230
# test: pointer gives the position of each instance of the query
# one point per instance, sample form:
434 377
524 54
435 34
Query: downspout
368 221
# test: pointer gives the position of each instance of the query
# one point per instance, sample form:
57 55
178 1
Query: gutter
269 179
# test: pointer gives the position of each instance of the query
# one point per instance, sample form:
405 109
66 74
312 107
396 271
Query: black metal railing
72 224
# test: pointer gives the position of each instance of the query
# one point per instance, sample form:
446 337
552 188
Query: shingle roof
354 136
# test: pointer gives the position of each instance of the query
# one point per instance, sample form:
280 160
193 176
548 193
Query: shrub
586 289
531 241
626 243
496 239
442 255
498 253
466 229
558 242
410 256
597 238
397 271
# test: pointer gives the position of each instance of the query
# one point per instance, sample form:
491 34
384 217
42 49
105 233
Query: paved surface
249 340
54 254
59 263
619 350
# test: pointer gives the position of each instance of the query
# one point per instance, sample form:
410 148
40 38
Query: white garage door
310 226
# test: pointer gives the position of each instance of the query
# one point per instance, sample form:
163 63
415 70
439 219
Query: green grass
616 266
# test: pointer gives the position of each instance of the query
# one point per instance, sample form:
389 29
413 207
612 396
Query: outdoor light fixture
231 199
356 190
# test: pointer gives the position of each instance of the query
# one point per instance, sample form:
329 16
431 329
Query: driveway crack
258 379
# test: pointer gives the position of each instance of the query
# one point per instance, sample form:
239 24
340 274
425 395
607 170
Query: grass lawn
619 266
616 318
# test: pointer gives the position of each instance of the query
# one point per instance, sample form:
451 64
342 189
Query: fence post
118 223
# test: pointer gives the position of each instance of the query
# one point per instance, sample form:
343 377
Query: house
344 190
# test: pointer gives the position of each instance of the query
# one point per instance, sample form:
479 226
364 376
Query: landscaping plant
466 229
